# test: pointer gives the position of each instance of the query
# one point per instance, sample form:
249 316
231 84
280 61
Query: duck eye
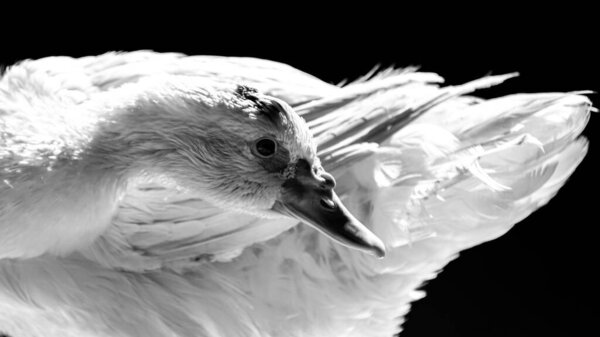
265 147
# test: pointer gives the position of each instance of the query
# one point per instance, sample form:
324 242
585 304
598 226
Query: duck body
102 235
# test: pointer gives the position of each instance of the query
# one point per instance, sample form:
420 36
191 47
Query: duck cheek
318 206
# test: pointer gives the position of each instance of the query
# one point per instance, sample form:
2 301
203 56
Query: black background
539 279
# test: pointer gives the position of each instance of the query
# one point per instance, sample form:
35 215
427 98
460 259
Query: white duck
147 194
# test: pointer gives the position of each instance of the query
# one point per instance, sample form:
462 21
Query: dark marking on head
247 92
268 107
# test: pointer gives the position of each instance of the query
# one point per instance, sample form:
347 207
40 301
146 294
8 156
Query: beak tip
379 252
378 249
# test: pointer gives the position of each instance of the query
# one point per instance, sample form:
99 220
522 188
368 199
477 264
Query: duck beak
309 197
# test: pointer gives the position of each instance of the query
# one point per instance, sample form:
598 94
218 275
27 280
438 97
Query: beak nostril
327 203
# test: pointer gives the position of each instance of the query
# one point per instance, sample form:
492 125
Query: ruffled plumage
430 170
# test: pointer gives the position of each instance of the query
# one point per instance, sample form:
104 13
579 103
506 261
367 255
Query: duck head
242 150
